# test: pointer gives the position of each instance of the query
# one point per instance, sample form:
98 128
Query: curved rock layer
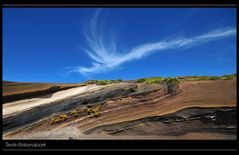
217 120
29 110
198 110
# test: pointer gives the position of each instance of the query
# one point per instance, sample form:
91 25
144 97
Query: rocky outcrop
219 120
197 109
27 116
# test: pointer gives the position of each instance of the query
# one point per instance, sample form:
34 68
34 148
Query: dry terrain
203 109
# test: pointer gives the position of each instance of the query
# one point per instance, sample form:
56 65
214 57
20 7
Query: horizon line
116 79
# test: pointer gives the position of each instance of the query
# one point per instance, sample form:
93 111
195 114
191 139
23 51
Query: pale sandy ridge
23 105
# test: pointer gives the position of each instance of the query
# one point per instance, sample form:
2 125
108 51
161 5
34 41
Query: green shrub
171 80
74 113
152 80
59 118
214 78
103 82
228 77
97 114
118 80
157 80
195 78
94 110
140 80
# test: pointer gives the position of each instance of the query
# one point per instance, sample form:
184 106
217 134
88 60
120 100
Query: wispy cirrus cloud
104 53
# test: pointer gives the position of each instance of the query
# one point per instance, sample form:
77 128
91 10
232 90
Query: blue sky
76 44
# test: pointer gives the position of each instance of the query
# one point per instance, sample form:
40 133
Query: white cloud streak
104 55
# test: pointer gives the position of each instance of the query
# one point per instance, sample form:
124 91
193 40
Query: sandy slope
193 94
218 93
23 105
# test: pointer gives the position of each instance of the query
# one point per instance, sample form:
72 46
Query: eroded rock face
218 120
37 109
215 123
198 110
26 111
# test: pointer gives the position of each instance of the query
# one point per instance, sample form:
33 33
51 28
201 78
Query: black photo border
119 145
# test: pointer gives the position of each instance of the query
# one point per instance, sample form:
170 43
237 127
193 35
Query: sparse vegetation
169 84
94 110
157 80
59 118
152 80
103 82
63 117
196 78
74 113
228 77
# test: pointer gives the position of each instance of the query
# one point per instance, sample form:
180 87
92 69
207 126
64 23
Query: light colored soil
23 105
